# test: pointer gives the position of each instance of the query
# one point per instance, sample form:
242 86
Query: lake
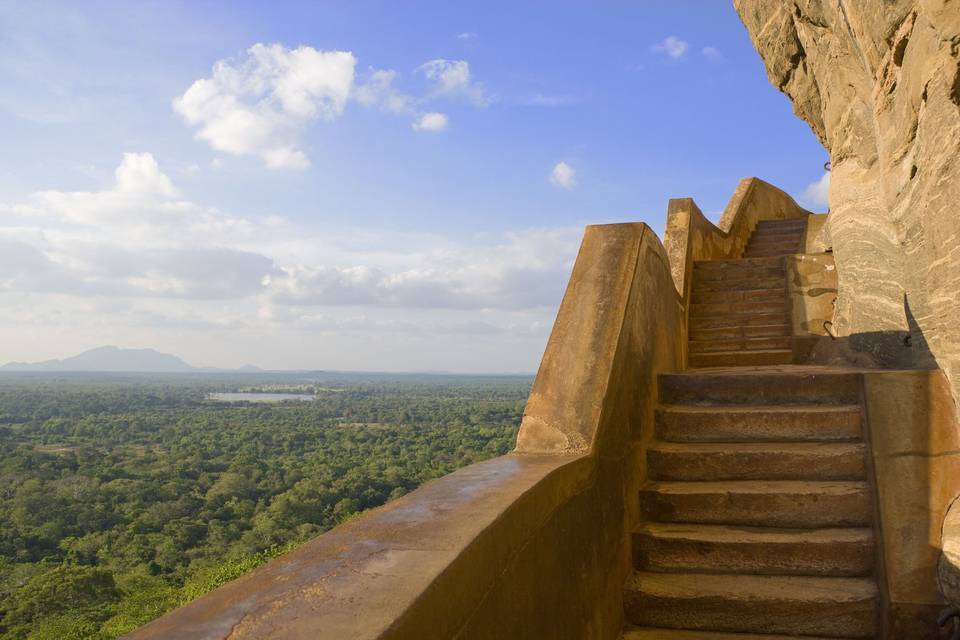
259 397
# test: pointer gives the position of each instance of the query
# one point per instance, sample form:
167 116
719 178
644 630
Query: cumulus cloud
672 46
379 91
519 271
260 103
137 238
142 263
431 121
816 194
451 78
140 239
563 176
263 102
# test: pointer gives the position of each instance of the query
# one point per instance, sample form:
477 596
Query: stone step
739 273
738 331
766 233
701 310
787 423
740 358
789 605
738 284
739 320
790 243
778 292
705 266
770 250
711 461
774 252
740 344
774 235
684 548
650 633
804 504
790 223
808 385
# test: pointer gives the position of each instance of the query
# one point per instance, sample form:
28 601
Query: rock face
879 84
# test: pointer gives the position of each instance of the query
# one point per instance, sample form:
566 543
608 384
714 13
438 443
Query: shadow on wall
907 349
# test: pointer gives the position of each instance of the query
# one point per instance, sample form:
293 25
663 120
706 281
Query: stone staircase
757 519
739 313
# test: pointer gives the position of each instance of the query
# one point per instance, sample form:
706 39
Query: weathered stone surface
916 461
672 548
774 503
879 84
796 605
812 287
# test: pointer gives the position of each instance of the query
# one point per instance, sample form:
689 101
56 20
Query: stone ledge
446 542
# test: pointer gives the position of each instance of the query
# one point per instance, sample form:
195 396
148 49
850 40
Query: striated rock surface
879 84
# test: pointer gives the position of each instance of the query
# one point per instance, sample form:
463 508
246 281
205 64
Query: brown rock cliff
879 83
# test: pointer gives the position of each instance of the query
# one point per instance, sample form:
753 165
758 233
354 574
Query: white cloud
432 121
816 194
260 103
467 35
137 238
518 271
672 46
378 91
711 53
452 78
140 239
563 176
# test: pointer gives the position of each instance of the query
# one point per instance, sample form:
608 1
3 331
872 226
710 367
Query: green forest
122 497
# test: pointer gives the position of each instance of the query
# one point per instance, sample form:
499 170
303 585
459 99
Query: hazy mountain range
116 359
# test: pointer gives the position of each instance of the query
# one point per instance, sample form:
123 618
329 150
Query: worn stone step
735 284
807 385
740 358
739 320
701 310
739 273
776 236
803 504
790 605
773 243
774 232
778 293
700 296
651 633
740 331
775 252
726 264
787 423
685 548
740 344
770 250
709 461
790 223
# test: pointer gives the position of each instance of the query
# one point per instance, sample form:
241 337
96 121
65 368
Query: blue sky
355 185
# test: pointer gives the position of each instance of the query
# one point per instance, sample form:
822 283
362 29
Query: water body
259 397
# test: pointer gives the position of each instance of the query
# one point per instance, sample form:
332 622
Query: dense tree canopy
122 497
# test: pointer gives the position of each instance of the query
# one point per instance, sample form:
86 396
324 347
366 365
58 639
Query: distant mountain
109 359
